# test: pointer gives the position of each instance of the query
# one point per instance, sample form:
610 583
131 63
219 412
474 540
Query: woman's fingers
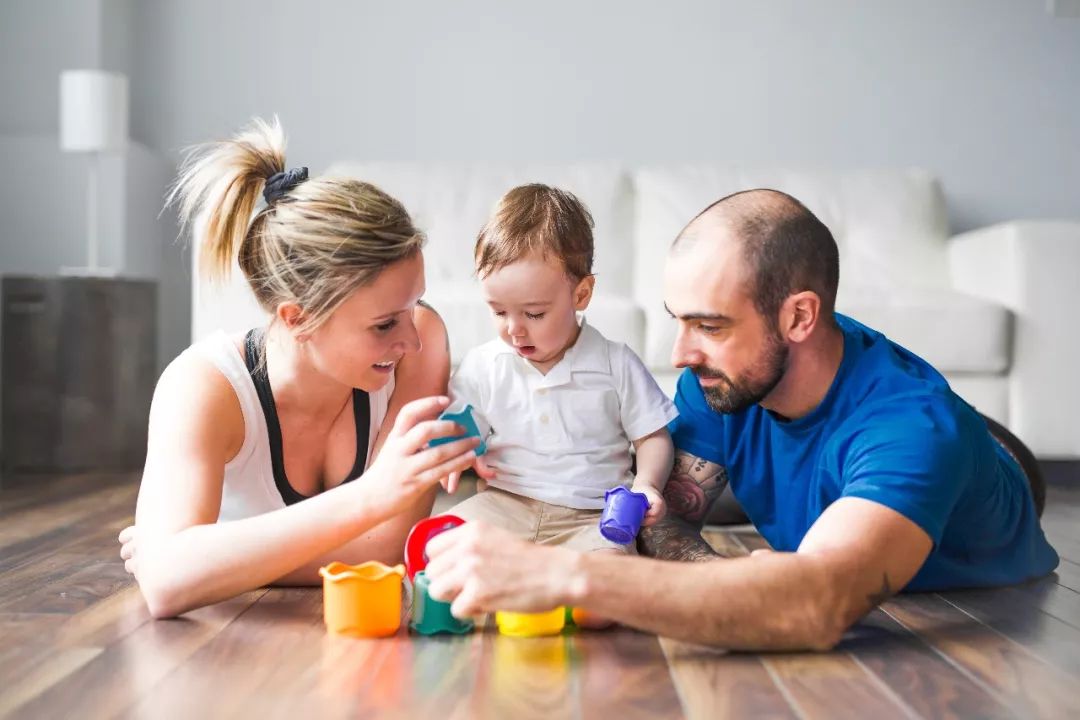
455 464
126 534
424 432
417 411
441 455
127 551
129 566
451 484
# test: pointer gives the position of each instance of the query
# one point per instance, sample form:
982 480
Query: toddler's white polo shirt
564 437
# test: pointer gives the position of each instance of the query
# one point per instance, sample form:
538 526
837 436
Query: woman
274 452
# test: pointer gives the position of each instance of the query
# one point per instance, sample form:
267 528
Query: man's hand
482 569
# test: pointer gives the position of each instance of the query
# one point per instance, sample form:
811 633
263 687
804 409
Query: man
850 455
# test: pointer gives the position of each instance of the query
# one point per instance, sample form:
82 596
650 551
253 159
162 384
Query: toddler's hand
657 506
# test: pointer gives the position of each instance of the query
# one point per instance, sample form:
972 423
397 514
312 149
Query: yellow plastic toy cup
363 600
531 624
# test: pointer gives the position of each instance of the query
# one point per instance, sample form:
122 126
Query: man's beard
752 386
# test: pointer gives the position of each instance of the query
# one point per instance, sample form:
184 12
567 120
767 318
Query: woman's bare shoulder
194 397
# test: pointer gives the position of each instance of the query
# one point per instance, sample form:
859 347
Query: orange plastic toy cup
363 599
531 624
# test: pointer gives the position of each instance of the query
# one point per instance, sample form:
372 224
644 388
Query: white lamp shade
93 111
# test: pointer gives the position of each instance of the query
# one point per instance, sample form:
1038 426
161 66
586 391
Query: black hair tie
280 183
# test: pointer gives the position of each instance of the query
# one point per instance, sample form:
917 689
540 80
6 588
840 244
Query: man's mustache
703 371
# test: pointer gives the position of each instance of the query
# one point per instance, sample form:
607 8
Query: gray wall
986 93
43 190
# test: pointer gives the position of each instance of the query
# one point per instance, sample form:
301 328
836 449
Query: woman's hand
128 542
483 471
406 466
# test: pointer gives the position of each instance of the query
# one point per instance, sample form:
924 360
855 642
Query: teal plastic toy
472 421
431 616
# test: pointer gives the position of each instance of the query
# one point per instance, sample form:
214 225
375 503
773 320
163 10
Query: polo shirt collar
587 354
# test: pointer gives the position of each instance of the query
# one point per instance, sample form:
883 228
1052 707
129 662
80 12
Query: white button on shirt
564 437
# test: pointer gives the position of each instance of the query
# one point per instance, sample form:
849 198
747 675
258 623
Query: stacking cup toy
363 599
474 424
623 512
416 542
531 624
431 616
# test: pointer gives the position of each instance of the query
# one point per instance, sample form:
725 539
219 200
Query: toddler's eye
499 313
537 316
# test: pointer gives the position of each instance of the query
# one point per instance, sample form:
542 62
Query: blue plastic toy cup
465 418
623 512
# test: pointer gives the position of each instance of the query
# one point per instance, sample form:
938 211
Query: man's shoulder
924 425
884 363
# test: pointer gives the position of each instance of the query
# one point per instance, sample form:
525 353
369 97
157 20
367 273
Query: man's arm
691 491
856 555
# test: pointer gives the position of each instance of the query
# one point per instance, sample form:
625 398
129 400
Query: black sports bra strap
254 346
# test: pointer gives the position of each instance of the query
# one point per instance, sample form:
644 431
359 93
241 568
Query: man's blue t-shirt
889 430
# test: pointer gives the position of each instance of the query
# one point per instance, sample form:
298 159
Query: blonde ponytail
221 182
317 242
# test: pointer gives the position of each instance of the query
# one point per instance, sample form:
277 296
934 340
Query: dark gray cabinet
77 371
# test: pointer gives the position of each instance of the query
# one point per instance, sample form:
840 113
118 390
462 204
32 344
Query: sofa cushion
955 333
451 203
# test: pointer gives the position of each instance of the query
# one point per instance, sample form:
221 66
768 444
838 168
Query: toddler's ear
583 292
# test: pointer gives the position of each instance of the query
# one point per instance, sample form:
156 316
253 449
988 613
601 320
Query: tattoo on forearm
675 539
693 488
691 491
881 595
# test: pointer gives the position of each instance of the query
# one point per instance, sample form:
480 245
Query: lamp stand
93 241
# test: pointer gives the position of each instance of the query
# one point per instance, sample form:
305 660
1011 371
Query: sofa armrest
1029 267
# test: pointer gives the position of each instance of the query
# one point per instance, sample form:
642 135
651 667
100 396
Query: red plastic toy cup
416 543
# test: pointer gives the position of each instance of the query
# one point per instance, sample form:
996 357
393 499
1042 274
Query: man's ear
583 292
799 315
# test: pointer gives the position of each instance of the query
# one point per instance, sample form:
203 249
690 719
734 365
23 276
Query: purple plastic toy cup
623 512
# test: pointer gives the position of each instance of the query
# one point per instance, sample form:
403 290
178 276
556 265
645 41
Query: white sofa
988 308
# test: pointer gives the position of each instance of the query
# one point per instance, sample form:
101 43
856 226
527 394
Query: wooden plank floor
76 640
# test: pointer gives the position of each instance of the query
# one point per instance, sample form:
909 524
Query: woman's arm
184 559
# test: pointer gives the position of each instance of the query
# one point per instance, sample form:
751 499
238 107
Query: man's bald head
785 247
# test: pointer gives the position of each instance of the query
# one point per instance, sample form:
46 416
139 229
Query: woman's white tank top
249 488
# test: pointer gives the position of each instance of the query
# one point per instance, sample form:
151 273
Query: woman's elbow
164 596
161 603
